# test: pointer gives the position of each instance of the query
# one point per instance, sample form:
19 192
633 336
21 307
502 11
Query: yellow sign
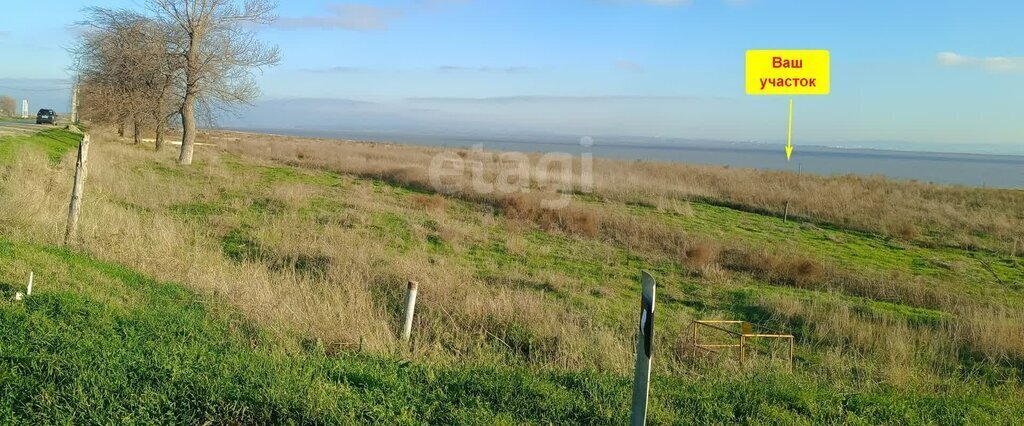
787 72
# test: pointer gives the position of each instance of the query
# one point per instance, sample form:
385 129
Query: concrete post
410 308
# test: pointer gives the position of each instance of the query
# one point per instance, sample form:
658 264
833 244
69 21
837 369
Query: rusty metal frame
743 335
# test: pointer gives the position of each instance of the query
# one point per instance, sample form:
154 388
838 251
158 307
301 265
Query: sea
974 170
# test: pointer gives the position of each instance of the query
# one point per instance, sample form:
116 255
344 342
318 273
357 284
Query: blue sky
924 74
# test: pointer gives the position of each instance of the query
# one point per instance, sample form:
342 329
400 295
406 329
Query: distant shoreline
408 138
967 169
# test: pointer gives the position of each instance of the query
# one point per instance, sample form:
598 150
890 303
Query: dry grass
701 254
429 202
572 219
900 209
995 333
338 275
909 210
329 277
990 333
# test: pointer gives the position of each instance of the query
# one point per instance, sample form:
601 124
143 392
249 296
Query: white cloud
356 17
363 17
991 63
334 70
629 66
682 2
668 2
551 99
516 69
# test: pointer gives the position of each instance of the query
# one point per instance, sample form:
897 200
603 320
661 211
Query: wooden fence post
1013 252
28 289
410 308
644 347
792 348
695 340
785 214
76 191
743 342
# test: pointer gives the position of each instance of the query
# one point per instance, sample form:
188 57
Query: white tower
74 104
24 108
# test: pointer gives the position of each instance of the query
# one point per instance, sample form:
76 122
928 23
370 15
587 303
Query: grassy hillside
276 290
98 342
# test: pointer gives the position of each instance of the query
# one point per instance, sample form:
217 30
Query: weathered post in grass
792 349
743 343
77 189
1013 252
410 308
28 289
695 340
644 343
785 214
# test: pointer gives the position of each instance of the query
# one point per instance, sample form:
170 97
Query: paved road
10 128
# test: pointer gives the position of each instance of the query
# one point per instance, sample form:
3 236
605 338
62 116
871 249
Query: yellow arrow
789 134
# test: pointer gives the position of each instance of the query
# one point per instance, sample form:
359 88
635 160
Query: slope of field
291 282
100 343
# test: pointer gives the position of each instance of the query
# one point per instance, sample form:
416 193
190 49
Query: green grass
394 229
271 175
198 210
980 273
99 343
55 143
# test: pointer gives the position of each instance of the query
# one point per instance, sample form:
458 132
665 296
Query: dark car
46 116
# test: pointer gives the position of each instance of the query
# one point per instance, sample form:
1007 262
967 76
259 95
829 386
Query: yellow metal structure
742 338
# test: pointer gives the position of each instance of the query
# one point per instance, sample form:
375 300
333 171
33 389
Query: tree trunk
188 130
159 135
136 132
120 128
159 117
188 113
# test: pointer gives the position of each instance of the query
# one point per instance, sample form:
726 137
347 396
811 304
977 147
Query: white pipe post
644 346
410 308
31 275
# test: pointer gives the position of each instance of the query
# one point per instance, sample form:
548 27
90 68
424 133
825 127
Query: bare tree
103 64
219 53
127 71
7 106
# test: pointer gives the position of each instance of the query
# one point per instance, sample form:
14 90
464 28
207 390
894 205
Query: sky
935 75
